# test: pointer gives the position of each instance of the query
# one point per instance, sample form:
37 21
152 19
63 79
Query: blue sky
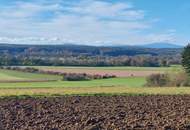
94 22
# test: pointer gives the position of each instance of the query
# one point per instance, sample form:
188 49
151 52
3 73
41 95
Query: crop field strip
172 68
94 91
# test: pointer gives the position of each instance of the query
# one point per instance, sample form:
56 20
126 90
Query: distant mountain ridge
158 45
161 45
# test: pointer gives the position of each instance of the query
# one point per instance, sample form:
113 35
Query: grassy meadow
15 75
120 85
95 91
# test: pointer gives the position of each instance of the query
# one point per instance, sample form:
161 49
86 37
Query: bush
180 79
158 80
173 80
22 69
106 76
75 77
96 76
84 76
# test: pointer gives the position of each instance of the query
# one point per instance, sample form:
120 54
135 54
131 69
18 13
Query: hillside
54 50
81 55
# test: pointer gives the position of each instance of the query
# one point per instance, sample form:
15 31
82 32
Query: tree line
78 55
139 60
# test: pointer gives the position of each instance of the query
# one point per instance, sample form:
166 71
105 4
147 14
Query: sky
94 22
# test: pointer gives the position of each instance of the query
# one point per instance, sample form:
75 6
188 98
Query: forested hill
80 55
53 50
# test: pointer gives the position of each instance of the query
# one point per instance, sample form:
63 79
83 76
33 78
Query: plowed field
96 113
118 73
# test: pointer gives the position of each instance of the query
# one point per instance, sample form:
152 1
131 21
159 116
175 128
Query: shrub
75 77
96 76
106 76
180 79
30 70
158 80
22 69
84 76
173 80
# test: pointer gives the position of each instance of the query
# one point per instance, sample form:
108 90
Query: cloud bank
92 22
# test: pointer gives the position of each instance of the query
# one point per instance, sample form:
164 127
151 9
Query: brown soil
118 73
96 113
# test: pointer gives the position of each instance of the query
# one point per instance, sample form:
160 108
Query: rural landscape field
45 101
130 80
94 65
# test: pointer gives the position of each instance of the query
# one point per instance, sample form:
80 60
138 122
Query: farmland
30 100
94 65
114 103
118 71
128 68
14 83
96 112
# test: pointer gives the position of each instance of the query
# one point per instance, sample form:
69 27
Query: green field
126 82
129 85
15 75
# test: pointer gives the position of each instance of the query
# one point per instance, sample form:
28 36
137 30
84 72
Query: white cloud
23 10
99 9
86 21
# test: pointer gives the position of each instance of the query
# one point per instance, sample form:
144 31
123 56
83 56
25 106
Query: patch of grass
7 76
104 91
130 82
15 75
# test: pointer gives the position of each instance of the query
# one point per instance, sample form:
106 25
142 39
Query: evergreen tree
186 59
